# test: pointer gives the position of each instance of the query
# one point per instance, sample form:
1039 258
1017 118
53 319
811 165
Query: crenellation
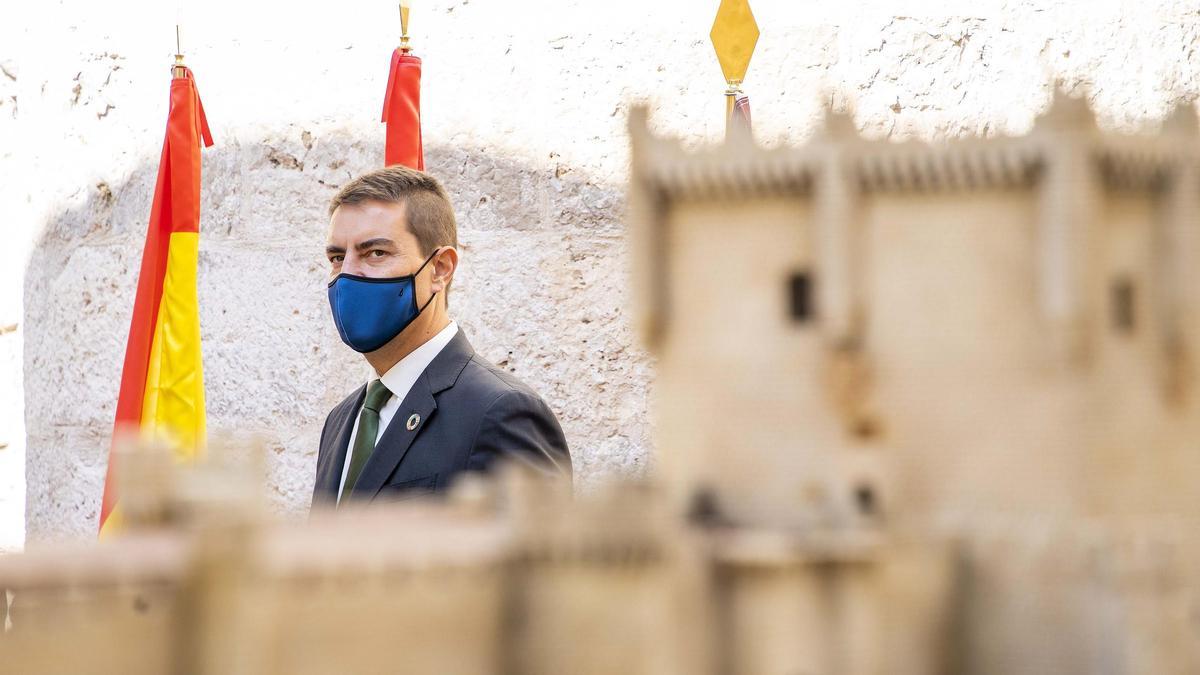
838 247
1179 245
1069 194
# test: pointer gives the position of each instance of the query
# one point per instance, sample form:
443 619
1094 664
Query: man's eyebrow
373 243
334 250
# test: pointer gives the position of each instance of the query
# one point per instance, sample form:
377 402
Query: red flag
162 383
402 112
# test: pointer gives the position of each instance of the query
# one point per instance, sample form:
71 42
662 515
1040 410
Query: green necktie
368 429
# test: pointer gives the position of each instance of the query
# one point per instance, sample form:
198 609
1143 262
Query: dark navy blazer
470 414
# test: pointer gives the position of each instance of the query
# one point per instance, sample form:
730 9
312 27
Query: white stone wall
17 231
524 106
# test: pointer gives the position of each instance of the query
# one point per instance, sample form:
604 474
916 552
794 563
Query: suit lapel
398 437
332 457
441 374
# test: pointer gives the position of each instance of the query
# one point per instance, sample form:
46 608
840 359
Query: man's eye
377 253
335 260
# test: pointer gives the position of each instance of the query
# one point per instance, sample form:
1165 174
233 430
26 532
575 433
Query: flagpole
731 96
177 70
405 6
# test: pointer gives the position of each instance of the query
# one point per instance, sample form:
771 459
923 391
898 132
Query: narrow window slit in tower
864 499
800 296
1123 305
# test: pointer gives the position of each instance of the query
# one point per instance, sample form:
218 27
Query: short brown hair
427 207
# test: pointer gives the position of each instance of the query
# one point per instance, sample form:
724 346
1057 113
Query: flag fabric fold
741 112
162 381
402 112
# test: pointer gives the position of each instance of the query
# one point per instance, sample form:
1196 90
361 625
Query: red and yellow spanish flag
402 112
162 383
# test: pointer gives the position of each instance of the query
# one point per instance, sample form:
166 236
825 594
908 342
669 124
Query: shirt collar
400 377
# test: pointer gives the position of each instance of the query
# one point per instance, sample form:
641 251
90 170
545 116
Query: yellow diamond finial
734 34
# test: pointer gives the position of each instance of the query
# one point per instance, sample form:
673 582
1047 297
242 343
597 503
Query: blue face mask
370 312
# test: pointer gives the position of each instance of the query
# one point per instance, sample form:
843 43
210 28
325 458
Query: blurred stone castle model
992 341
920 409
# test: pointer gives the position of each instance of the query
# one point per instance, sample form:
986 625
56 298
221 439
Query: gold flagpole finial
734 35
177 68
405 5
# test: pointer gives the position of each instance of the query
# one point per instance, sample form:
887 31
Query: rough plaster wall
524 108
16 233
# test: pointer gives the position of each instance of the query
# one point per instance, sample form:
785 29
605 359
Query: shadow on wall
541 292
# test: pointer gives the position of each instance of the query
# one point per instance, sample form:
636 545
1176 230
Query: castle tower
749 290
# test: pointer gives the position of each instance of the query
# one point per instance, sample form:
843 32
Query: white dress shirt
399 379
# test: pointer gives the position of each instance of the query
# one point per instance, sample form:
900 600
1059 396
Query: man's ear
445 262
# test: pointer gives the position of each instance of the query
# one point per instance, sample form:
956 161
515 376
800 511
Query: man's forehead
352 223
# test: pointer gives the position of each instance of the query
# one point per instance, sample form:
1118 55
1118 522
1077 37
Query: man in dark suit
433 408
